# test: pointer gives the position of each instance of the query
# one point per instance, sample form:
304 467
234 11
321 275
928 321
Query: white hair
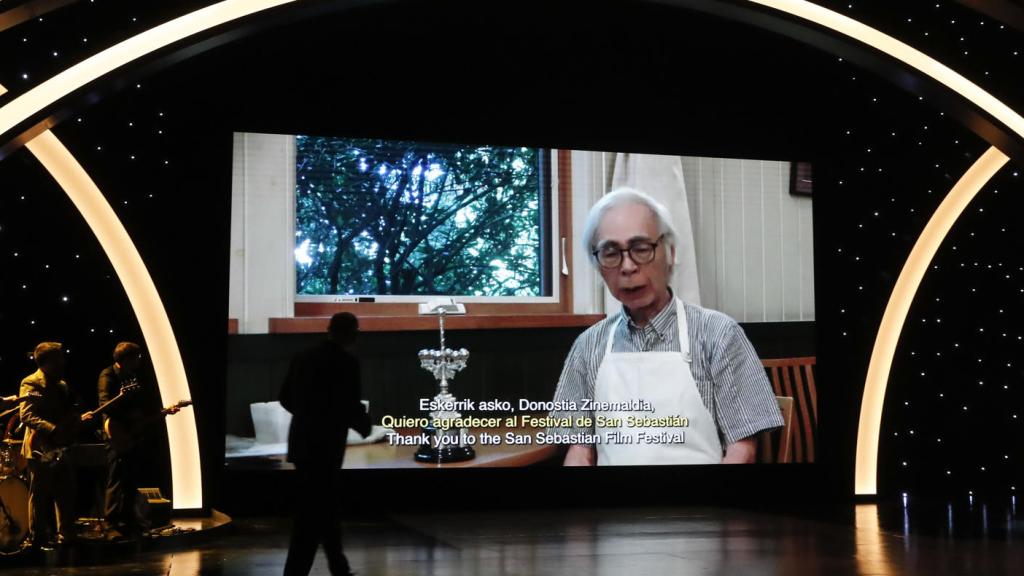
618 197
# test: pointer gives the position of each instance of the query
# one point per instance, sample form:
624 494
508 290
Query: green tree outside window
408 218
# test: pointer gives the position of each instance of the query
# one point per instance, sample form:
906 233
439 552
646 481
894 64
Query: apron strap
684 332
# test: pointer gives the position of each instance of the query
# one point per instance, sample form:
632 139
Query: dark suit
125 470
49 419
322 392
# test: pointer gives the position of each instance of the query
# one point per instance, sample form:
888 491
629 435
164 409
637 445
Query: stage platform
96 545
969 537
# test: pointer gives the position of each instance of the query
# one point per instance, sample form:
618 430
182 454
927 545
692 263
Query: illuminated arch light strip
55 88
96 66
896 311
904 53
183 440
866 471
186 472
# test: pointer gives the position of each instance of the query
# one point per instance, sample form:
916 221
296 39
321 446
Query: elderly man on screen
687 375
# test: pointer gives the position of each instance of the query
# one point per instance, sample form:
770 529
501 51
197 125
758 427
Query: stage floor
967 538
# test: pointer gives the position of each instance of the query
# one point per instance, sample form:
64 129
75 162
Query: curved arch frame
182 433
171 369
868 431
927 244
186 472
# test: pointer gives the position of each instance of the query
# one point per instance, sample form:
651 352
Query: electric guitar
10 405
49 448
124 436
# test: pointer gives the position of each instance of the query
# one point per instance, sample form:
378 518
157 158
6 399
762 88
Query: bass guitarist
127 463
51 423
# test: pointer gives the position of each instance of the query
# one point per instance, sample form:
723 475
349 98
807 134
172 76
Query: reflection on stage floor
958 538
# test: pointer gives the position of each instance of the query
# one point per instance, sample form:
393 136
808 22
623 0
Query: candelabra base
444 455
452 447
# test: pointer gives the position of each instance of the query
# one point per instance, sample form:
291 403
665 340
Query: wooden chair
794 378
776 446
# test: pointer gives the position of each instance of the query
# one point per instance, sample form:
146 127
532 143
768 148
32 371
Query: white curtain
662 178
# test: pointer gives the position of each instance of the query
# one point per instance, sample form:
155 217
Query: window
399 220
291 207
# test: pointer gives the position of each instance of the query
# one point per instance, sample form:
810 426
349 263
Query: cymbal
11 441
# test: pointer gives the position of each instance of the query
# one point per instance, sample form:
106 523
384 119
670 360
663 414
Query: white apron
664 379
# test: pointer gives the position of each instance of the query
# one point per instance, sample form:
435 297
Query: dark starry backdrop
952 419
884 160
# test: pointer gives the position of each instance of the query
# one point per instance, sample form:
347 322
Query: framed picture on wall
800 179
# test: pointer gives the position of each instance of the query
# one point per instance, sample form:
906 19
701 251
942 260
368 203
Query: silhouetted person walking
322 391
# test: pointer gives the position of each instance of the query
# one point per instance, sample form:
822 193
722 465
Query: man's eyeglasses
610 255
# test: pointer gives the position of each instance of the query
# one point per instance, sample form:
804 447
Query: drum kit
13 489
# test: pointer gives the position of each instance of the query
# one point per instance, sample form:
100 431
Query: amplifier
155 509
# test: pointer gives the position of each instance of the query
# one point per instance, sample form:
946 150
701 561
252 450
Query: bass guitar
125 436
12 404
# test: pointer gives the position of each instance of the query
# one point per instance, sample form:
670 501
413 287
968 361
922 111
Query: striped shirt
729 376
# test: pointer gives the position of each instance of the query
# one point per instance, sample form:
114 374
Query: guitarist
125 468
51 422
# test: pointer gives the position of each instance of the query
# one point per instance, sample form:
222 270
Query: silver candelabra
447 445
